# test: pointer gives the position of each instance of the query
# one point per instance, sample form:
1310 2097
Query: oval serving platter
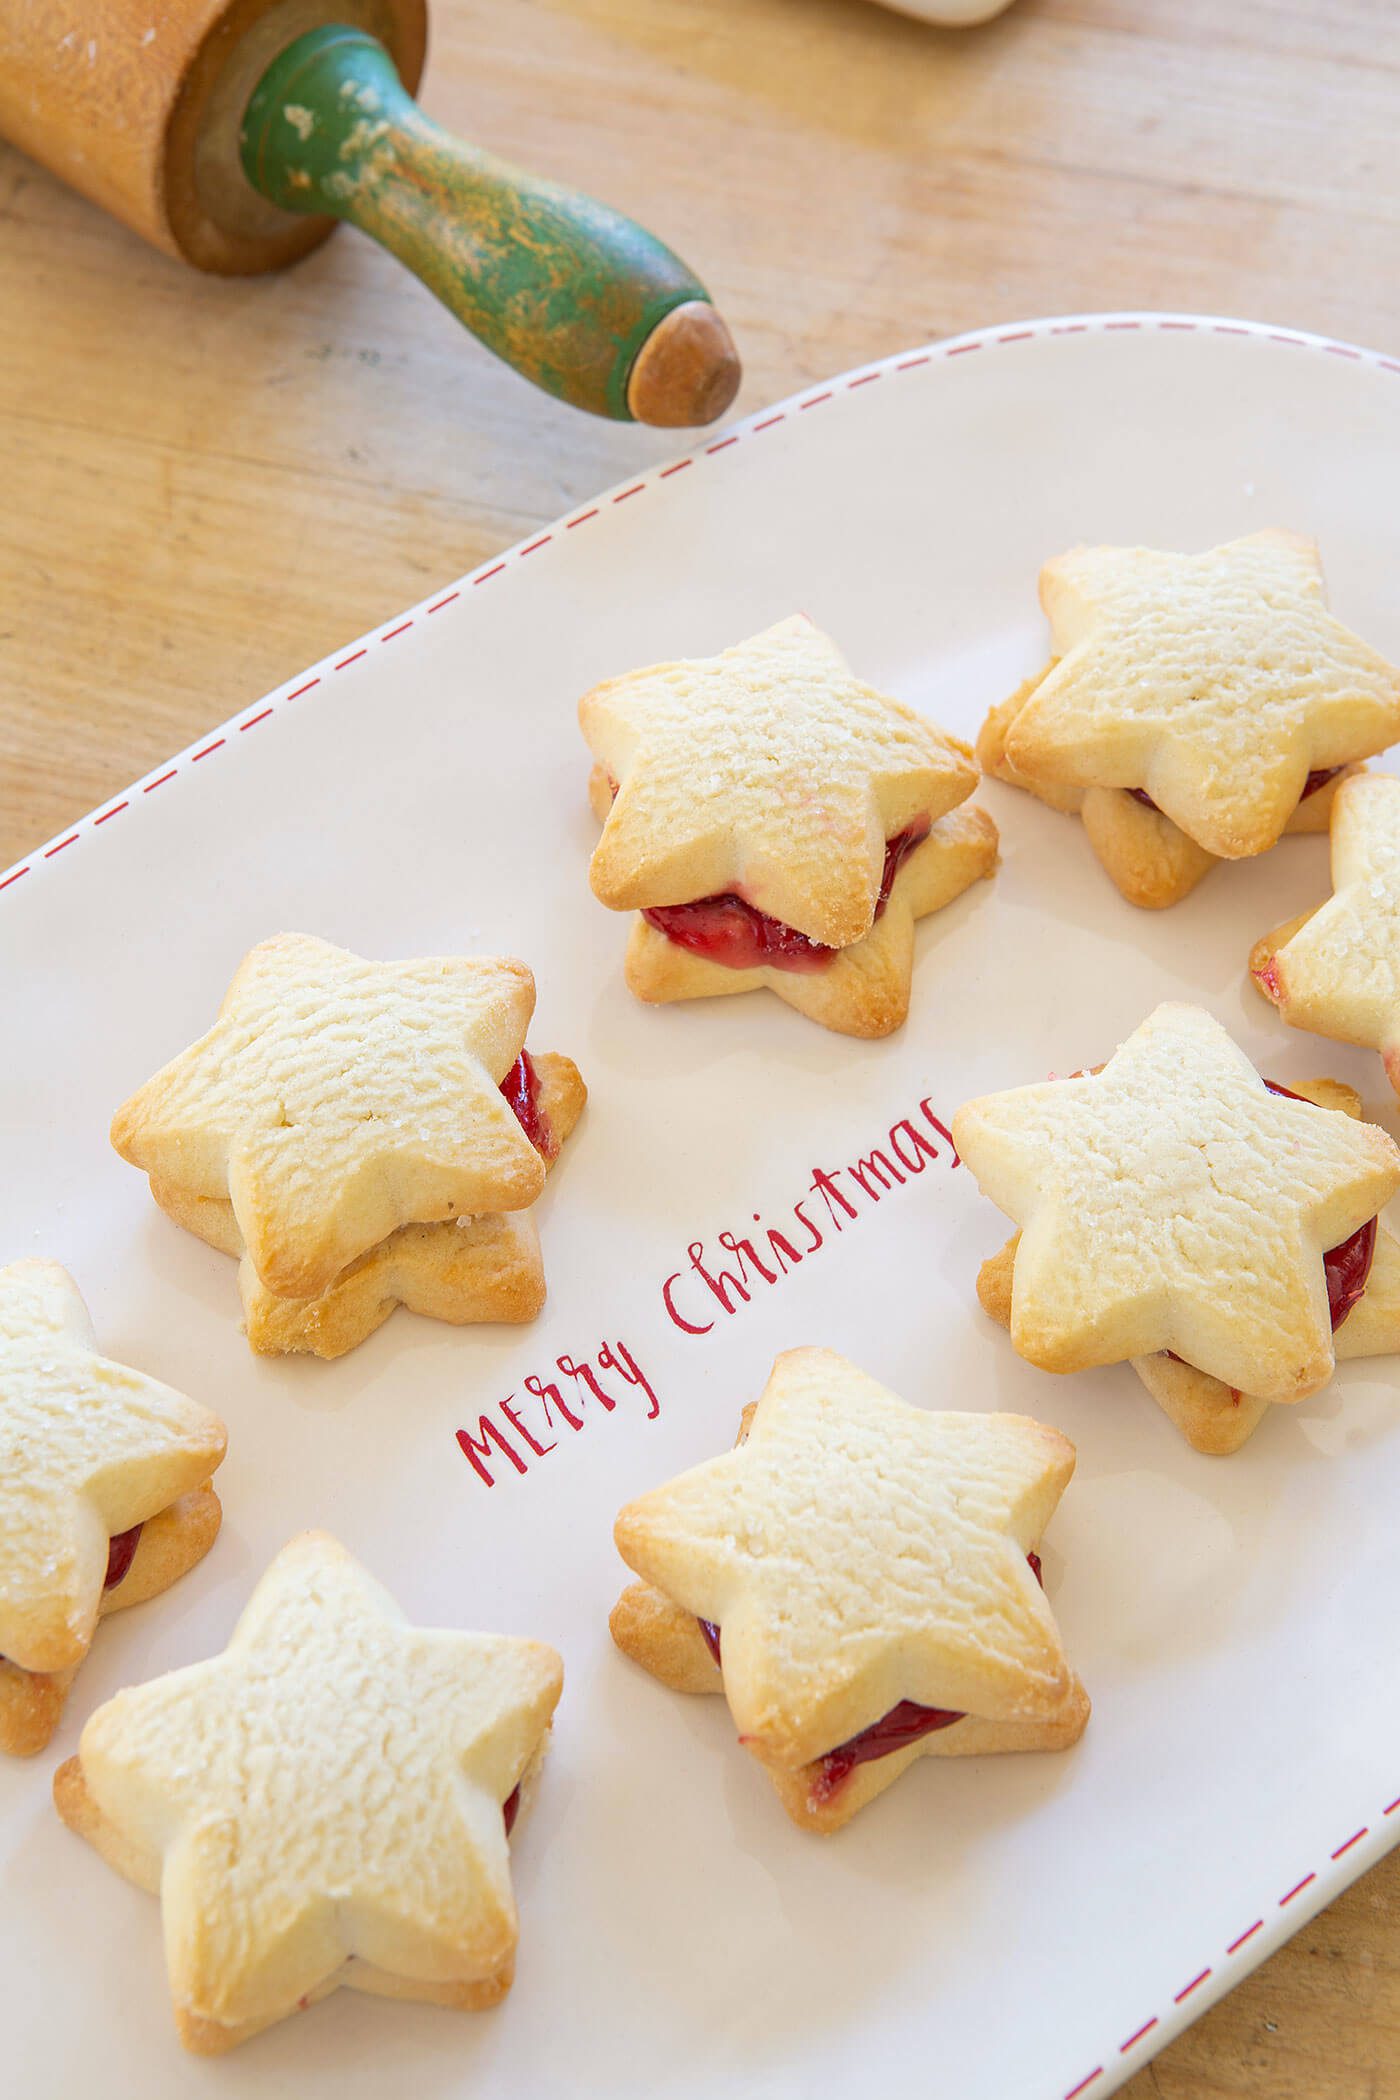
1015 1929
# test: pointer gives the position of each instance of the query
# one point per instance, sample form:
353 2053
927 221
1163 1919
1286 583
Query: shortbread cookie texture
336 1099
1149 859
864 989
104 1494
1175 1202
1363 1293
141 1562
1336 970
859 1578
327 1802
778 824
1196 707
465 1272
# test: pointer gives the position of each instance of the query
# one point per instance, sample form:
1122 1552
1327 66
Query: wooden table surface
209 484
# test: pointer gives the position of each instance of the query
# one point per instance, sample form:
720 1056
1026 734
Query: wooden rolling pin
234 133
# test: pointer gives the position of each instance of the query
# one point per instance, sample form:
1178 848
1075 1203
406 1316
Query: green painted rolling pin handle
576 297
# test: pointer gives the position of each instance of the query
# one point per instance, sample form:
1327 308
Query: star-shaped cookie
1336 970
864 990
322 1803
769 770
1213 683
336 1099
141 1563
1150 860
89 1452
1214 1417
1171 1202
463 1271
851 1554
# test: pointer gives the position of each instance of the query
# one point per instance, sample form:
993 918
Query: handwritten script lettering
716 1283
522 1427
554 1405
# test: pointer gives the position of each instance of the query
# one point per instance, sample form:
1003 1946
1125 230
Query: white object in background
950 14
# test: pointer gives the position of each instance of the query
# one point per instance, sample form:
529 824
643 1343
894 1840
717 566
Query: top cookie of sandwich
1337 970
1215 683
321 1803
336 1099
1171 1201
856 1552
88 1449
770 770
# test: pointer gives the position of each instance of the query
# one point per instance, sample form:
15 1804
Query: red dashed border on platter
789 411
1115 2063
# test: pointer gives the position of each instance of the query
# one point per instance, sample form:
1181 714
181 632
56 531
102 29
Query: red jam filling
121 1552
521 1087
510 1809
1348 1265
1269 981
1311 785
903 1724
726 929
1348 1268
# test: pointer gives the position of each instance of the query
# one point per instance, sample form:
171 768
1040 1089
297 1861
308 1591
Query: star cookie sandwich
860 1578
328 1802
104 1493
775 822
1336 969
361 1135
1196 706
1179 1213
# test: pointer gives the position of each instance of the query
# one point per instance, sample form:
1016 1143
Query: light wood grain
209 484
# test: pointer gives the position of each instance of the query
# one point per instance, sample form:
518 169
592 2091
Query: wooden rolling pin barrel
234 133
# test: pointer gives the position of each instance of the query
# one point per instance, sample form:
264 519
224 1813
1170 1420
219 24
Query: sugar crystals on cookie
361 1135
1178 1212
104 1493
328 1802
1197 706
860 1578
776 822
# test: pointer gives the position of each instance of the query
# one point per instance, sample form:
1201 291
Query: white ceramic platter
1016 1929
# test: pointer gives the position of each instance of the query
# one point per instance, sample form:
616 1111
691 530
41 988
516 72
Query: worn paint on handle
560 286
